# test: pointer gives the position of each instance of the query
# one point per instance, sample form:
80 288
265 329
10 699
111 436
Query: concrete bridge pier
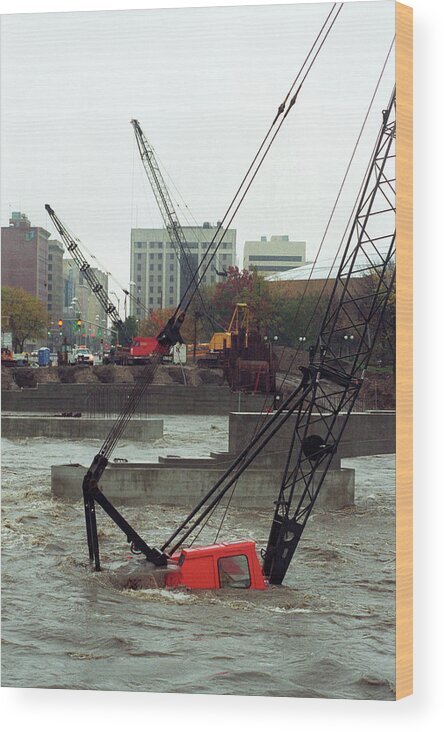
161 483
183 481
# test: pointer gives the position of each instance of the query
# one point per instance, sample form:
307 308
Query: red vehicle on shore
139 352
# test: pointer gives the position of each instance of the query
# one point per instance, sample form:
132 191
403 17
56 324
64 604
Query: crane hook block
170 335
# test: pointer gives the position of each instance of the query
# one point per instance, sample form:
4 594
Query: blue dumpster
43 356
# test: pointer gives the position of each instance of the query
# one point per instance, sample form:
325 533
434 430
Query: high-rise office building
275 255
25 256
156 272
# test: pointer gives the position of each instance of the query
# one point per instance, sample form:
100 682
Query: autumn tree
27 315
236 287
243 286
155 322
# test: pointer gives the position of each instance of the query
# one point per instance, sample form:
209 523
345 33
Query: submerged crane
330 385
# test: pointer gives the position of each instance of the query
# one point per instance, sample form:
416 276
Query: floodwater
329 632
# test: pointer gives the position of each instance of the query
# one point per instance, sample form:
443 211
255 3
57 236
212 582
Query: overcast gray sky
205 84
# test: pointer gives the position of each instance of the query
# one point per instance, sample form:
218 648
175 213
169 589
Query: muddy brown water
329 632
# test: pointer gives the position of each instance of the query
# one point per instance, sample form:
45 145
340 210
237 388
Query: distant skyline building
274 255
320 276
24 250
79 300
156 273
68 285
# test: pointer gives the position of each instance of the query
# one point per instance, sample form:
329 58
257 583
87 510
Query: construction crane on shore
87 271
330 385
129 350
188 269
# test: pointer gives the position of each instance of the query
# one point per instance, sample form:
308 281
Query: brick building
55 279
24 251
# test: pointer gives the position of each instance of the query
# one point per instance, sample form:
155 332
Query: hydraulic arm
168 337
92 494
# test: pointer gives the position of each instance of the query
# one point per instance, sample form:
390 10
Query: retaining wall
78 428
159 399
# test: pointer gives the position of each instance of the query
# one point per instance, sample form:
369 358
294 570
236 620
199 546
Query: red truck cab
216 567
141 347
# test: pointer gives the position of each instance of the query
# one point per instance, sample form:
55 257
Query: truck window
234 571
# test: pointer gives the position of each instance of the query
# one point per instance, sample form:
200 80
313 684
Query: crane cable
149 371
237 204
338 250
240 194
261 420
280 111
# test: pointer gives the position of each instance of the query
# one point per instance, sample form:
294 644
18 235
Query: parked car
81 355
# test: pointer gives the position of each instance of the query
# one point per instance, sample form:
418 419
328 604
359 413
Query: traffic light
60 322
79 322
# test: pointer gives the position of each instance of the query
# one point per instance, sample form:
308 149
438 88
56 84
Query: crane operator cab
219 566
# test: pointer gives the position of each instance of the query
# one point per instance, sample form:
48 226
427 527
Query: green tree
298 317
131 326
384 352
27 315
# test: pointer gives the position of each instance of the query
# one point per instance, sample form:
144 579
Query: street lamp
302 340
130 293
118 300
270 340
348 339
77 316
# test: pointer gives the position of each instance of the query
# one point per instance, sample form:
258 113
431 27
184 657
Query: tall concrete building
95 315
69 285
156 273
275 255
25 256
55 279
79 300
